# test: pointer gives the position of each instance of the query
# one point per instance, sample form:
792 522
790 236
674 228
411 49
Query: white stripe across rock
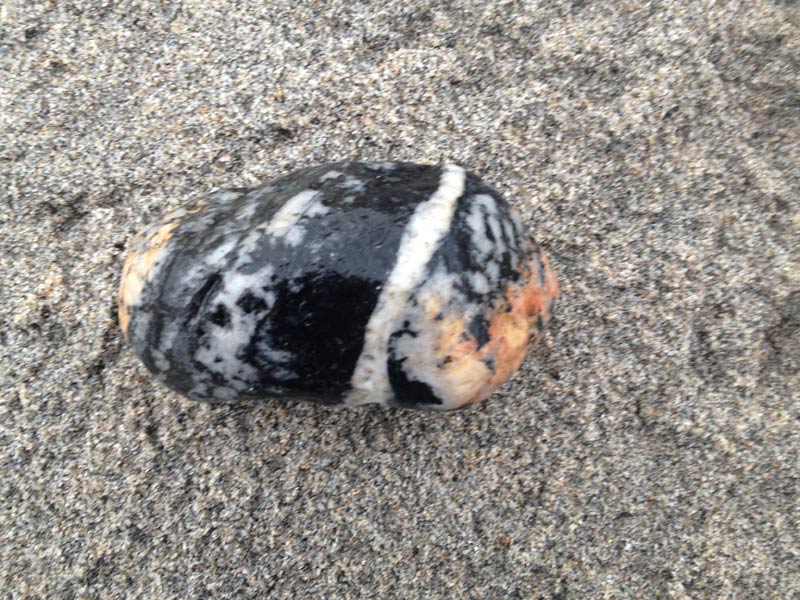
426 229
347 283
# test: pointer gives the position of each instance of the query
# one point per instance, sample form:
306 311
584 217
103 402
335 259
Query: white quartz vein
427 227
285 223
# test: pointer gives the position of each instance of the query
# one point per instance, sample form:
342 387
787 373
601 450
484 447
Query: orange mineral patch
463 367
146 251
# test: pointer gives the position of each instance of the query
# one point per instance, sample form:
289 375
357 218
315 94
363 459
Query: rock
348 283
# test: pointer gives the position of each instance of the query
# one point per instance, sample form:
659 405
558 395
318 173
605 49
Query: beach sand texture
647 449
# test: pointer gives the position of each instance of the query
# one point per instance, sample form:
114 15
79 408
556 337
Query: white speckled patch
286 223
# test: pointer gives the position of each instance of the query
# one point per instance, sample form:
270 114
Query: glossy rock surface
348 283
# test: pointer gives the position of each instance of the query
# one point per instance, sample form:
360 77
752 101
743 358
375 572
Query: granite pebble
345 284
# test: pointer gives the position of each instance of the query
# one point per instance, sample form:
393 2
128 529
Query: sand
648 449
